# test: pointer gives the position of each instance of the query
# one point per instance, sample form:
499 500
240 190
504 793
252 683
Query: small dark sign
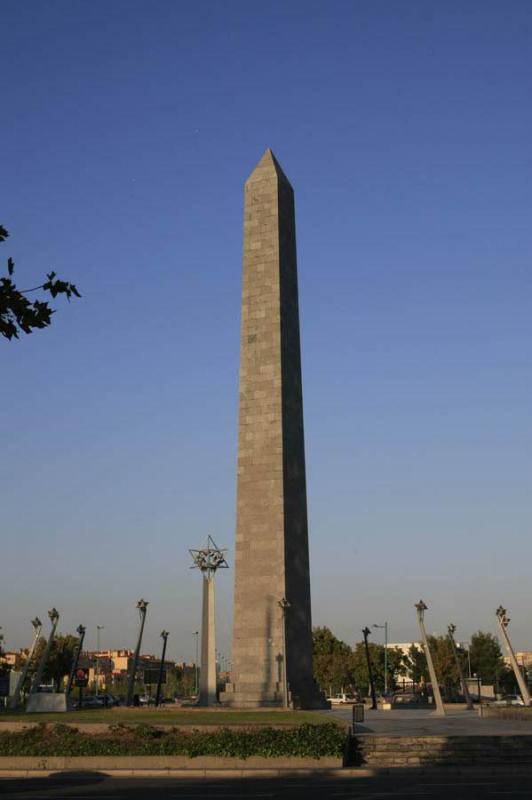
151 676
81 677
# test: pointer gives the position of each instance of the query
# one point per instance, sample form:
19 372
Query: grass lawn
181 716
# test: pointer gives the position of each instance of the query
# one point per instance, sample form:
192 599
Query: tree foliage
396 666
486 657
337 666
332 661
60 659
445 662
17 313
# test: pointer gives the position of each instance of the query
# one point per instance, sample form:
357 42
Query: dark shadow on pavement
399 784
47 783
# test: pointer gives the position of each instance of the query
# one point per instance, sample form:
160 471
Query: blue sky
128 130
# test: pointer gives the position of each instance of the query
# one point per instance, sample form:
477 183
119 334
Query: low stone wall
523 713
161 763
442 751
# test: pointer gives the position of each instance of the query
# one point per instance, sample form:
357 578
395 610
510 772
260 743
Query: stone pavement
422 722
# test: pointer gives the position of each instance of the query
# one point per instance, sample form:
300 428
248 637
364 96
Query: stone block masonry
271 554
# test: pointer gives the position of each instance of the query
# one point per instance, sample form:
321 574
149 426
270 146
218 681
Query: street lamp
164 637
366 632
451 629
196 684
284 605
37 627
421 607
97 681
53 615
142 607
385 627
503 619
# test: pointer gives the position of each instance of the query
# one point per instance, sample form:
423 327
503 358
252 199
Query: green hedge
310 741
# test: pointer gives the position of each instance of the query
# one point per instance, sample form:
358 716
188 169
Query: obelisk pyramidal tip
268 163
271 638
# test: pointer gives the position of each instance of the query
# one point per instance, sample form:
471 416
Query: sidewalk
422 722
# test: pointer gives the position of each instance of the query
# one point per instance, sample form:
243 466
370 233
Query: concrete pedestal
46 702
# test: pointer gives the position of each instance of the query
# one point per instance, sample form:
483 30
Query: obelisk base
257 696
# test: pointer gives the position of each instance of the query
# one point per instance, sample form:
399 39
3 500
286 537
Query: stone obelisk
272 583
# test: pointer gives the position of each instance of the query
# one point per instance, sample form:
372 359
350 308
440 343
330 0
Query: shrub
310 741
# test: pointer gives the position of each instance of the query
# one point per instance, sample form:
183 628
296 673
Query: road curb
194 774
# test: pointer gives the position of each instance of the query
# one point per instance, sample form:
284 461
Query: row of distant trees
337 665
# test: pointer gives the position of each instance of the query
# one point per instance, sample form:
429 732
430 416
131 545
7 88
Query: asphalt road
400 787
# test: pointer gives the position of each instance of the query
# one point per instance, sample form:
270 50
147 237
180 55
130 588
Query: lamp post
53 614
81 633
503 620
385 626
142 607
479 687
421 607
366 632
164 637
284 605
196 684
97 672
37 627
451 630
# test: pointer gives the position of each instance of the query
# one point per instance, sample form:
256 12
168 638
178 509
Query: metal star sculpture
209 558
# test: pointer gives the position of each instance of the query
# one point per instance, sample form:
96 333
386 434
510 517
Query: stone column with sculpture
208 560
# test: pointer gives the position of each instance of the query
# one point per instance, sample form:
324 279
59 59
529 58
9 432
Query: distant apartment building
13 659
524 659
109 666
406 679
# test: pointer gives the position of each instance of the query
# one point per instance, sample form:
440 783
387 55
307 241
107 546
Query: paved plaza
422 722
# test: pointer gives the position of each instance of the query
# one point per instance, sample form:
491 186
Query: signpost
151 676
81 680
